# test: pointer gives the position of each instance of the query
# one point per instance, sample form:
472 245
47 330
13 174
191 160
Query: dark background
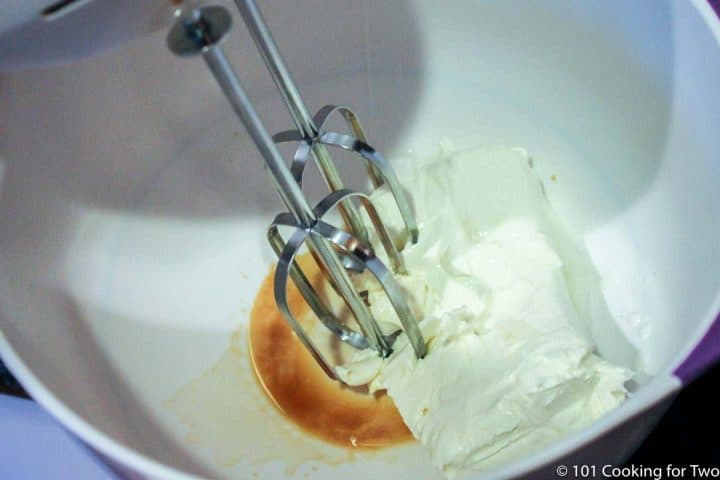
688 434
689 431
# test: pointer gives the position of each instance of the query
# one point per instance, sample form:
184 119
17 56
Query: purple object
715 4
703 356
34 446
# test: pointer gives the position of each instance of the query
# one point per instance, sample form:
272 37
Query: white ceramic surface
45 32
133 207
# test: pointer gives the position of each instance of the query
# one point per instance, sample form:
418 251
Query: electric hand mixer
338 251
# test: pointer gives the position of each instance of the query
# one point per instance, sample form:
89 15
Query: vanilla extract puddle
300 389
265 403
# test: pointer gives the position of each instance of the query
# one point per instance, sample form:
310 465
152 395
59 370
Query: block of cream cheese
511 365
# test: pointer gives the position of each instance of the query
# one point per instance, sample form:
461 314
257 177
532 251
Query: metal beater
339 251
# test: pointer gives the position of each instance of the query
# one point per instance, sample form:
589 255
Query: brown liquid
302 391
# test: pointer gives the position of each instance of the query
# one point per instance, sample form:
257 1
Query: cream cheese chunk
511 365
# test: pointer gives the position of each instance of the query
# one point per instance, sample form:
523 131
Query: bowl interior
133 205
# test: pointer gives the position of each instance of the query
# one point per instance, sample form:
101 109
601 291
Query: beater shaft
298 111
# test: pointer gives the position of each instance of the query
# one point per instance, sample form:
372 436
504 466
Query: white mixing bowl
133 207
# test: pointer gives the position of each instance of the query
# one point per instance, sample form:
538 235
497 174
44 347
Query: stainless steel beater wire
291 192
288 188
298 111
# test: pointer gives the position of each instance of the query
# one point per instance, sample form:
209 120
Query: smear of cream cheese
511 365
